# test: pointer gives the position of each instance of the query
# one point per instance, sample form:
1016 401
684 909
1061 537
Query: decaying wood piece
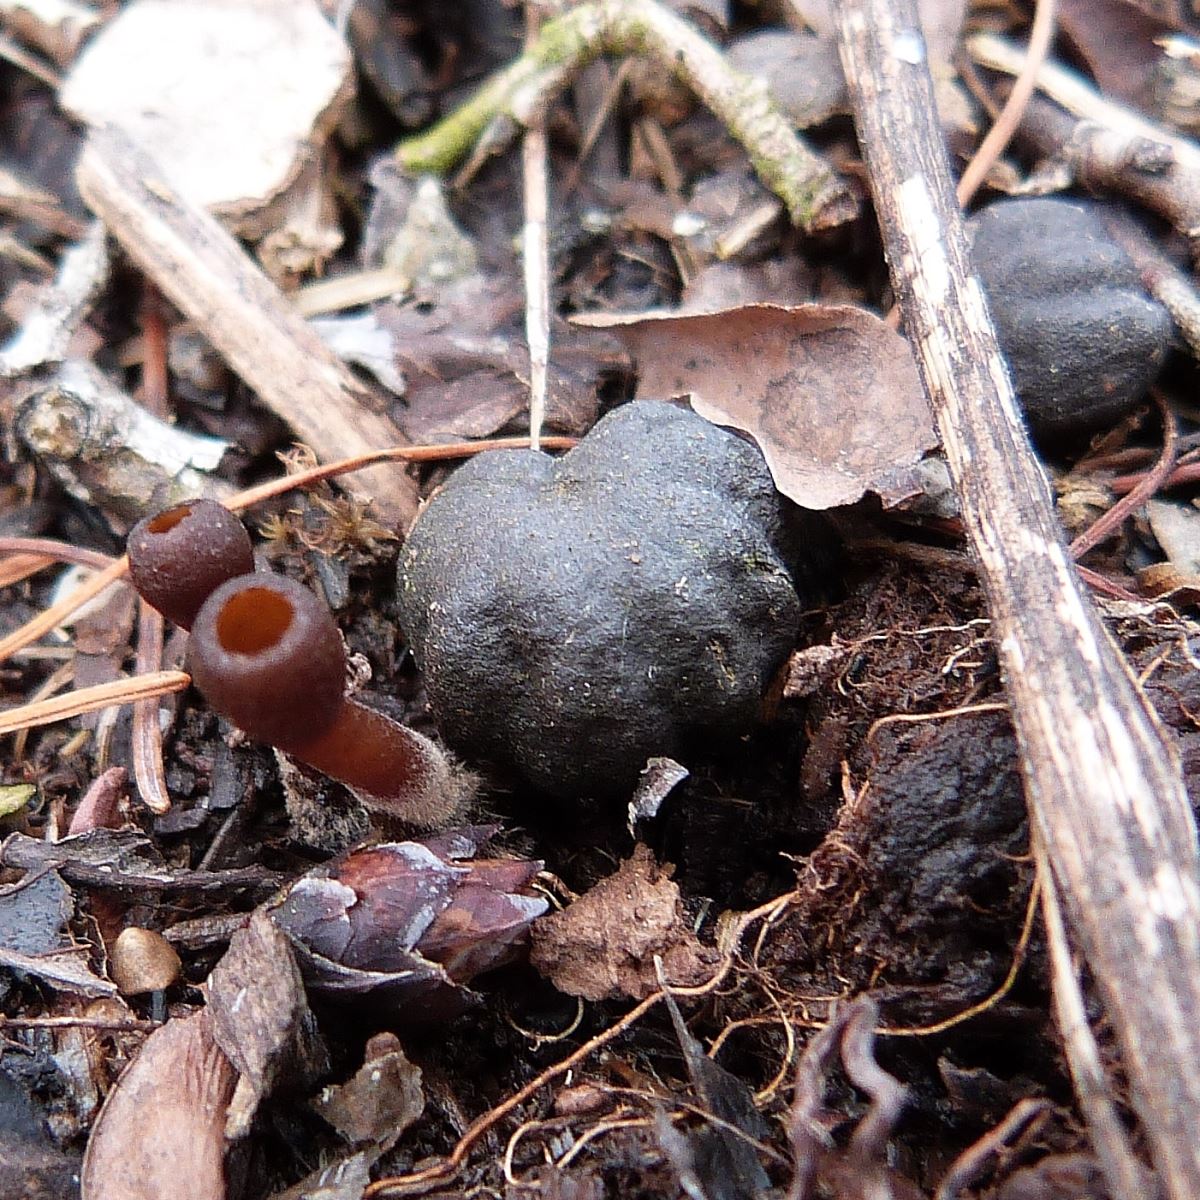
106 450
204 272
1103 786
46 330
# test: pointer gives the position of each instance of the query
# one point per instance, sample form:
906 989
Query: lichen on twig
814 195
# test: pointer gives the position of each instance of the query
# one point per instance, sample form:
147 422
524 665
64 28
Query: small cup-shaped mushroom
142 961
179 556
266 653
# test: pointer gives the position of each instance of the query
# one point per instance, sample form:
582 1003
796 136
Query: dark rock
1083 339
574 617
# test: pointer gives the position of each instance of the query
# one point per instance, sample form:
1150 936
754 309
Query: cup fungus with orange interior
266 653
179 556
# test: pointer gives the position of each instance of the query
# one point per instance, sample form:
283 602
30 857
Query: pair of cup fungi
265 652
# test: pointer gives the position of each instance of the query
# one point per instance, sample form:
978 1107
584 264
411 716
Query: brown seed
143 961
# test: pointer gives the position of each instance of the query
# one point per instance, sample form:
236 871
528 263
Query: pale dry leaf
829 392
231 97
1177 528
161 1131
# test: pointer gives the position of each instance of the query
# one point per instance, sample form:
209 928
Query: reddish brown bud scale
179 556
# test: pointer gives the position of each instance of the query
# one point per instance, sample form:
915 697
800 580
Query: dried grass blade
88 699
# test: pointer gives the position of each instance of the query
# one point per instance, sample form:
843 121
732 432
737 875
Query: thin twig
147 748
814 195
1107 587
968 1166
55 551
1041 35
103 1024
1149 484
535 261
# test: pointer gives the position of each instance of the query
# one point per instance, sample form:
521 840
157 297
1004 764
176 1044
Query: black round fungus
1083 340
575 616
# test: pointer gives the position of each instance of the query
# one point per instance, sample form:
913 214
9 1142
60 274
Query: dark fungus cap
1083 340
575 616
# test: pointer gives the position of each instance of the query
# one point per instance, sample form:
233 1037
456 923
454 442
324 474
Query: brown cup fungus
178 556
266 653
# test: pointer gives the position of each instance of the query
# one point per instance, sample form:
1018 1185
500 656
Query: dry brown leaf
829 392
605 944
161 1131
380 1100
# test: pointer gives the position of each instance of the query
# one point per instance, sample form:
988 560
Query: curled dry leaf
829 392
604 945
161 1131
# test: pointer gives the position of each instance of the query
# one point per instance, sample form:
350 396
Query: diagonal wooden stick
1103 784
